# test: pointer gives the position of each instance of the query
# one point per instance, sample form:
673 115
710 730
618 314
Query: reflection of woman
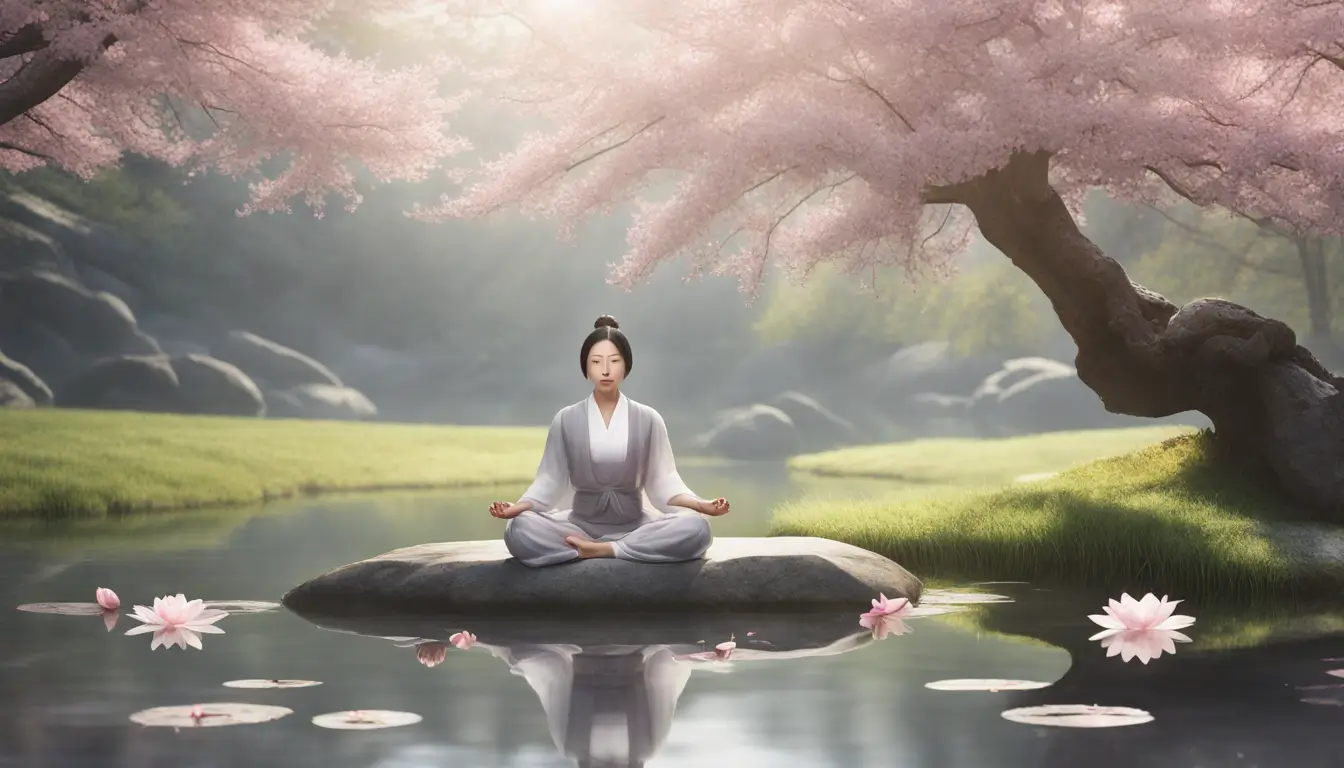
608 482
602 709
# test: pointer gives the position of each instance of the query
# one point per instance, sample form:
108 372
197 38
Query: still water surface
68 686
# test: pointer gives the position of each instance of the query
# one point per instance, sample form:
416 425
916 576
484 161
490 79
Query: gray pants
537 539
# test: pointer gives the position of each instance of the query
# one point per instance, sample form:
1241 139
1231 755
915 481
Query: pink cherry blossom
176 621
431 654
463 640
1146 613
224 86
793 132
107 599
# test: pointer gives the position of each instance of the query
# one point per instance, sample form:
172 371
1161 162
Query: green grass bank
1169 518
62 464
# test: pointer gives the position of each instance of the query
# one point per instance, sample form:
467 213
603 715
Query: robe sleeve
552 480
661 480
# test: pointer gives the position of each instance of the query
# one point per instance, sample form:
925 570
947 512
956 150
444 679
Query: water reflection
608 703
1253 688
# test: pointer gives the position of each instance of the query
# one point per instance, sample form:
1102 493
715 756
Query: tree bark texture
1271 401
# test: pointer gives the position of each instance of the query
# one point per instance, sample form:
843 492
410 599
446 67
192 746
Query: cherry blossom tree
232 86
859 132
883 131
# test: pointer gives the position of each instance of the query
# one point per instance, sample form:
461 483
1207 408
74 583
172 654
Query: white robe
664 533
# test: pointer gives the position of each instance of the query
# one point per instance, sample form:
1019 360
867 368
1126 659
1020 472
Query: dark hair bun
606 321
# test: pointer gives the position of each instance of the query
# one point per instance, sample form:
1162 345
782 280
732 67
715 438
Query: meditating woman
607 485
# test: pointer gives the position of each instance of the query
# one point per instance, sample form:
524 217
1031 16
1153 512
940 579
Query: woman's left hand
714 508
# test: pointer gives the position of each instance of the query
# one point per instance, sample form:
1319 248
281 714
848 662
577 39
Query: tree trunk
1272 404
1311 256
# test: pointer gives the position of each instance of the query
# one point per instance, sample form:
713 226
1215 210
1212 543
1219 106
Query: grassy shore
1169 518
58 463
969 462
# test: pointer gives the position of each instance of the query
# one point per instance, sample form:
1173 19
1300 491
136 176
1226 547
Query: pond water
1246 691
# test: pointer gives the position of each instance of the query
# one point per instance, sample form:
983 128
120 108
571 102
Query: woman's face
606 367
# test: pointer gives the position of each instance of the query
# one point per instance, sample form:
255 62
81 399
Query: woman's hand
505 511
714 508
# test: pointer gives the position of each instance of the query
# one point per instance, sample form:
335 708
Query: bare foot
590 548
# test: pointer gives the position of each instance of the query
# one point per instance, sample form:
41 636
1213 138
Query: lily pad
365 719
209 715
1323 701
242 606
1335 672
940 597
64 609
921 611
986 684
274 683
1077 716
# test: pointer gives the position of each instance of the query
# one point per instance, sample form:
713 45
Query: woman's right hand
505 511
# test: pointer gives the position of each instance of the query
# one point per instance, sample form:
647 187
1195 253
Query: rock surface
757 574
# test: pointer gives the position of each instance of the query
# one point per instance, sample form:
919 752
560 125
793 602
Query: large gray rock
128 383
22 377
755 433
271 365
95 322
320 401
214 387
771 574
11 396
819 428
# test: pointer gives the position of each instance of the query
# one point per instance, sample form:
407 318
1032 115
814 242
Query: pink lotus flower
1148 613
175 621
107 599
888 625
1144 644
885 617
1141 628
431 654
463 640
725 649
